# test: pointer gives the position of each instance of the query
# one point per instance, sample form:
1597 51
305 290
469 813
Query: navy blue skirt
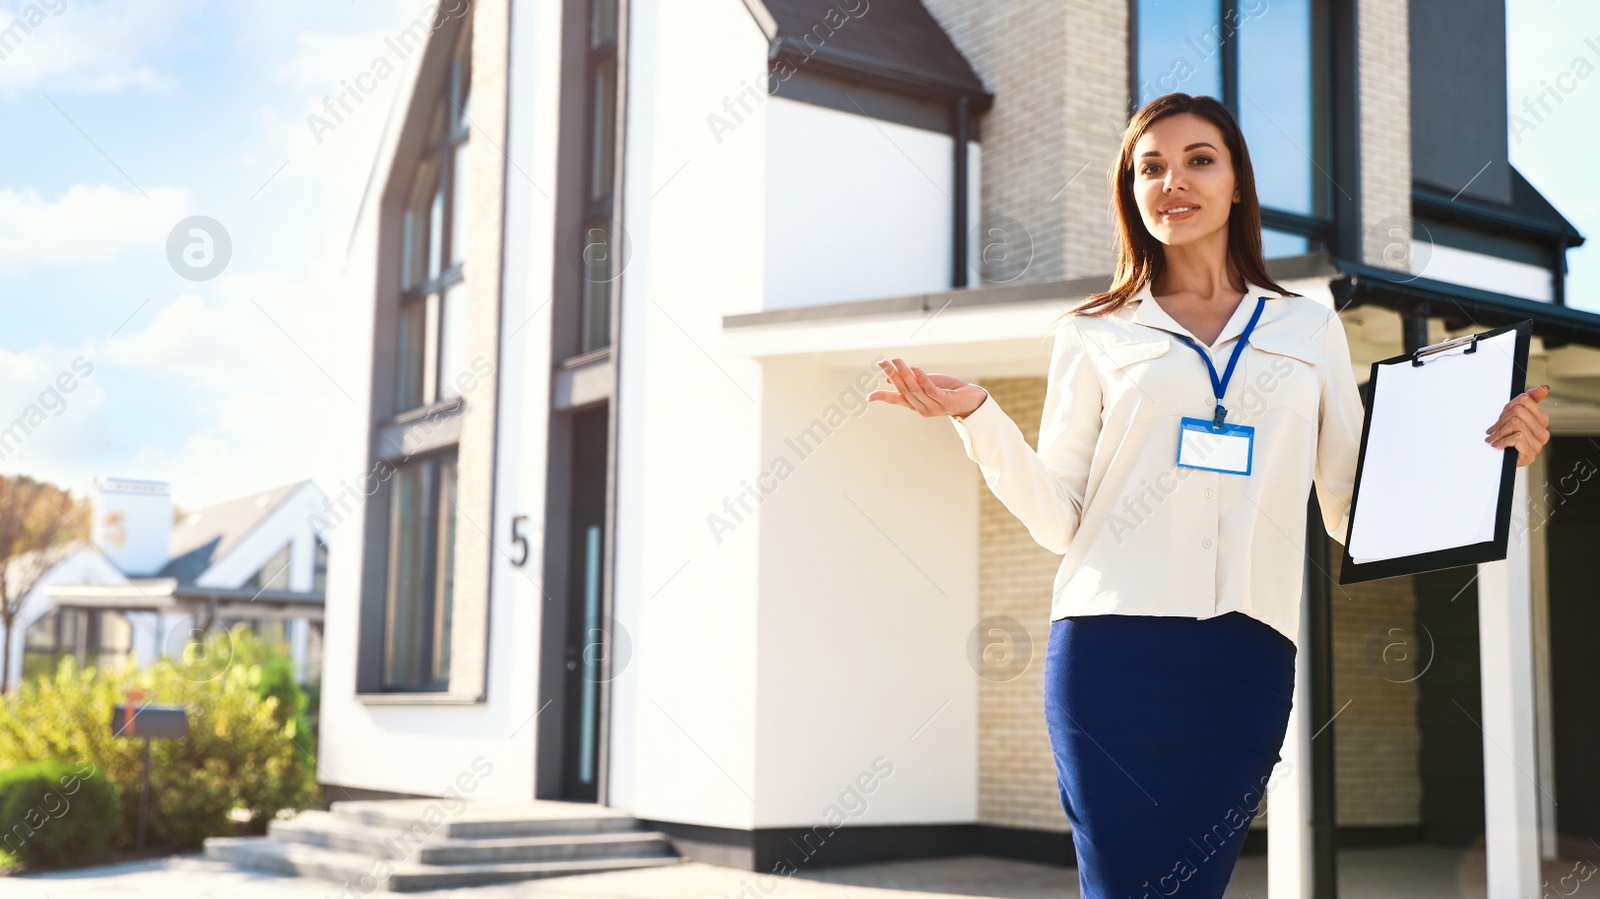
1165 732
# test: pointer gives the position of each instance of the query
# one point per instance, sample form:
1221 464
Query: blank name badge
1228 450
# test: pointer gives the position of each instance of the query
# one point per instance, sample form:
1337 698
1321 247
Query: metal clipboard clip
1472 339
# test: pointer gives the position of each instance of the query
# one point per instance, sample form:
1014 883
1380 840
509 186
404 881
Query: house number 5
519 538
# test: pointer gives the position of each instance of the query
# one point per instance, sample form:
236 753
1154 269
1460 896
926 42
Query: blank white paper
1429 480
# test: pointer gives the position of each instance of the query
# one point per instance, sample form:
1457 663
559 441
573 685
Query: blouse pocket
1282 375
1118 356
1133 375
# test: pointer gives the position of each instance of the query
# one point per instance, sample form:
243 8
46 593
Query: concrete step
330 831
446 818
364 874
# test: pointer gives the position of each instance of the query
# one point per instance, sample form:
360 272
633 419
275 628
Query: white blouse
1143 536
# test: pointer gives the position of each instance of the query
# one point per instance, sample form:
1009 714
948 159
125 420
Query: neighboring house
635 539
144 585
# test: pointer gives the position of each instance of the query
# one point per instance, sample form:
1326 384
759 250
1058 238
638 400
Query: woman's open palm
928 395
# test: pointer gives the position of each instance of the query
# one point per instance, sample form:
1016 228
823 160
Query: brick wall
1016 771
1385 67
1377 735
476 459
1059 74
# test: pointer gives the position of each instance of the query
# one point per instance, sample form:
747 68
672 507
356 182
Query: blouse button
1208 492
1211 400
1206 543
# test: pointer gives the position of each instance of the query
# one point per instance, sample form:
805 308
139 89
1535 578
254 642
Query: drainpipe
958 264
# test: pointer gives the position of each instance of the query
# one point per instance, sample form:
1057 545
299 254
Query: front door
585 645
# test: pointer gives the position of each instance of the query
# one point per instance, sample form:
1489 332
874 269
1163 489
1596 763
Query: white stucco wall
858 207
774 660
683 716
868 592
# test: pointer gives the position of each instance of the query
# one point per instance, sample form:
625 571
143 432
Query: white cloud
52 420
331 135
86 46
86 224
237 341
322 59
254 367
272 372
213 465
250 397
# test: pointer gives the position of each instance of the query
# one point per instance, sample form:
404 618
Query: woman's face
1181 162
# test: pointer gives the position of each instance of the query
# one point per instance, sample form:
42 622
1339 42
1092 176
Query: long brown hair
1139 254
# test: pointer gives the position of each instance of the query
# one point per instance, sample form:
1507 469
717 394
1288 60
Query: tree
36 518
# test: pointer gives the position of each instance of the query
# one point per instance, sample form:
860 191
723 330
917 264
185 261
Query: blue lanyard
1221 384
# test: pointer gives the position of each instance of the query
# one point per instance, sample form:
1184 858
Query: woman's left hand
1523 425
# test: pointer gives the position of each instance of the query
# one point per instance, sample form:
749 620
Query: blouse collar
1146 311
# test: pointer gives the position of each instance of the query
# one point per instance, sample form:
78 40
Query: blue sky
1556 43
126 117
132 117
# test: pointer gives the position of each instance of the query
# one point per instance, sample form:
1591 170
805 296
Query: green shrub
277 680
53 812
237 754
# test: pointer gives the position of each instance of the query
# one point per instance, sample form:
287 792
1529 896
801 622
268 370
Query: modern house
144 584
628 534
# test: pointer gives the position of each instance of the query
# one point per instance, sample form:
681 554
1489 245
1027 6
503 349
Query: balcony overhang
994 330
1460 306
1004 328
205 603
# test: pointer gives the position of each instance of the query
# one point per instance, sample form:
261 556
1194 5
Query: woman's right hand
928 395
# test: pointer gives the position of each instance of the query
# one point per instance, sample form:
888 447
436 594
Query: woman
1176 489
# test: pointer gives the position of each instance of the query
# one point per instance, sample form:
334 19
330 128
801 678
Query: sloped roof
894 44
209 534
1528 202
1528 214
23 571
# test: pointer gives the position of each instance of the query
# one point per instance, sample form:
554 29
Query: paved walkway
1413 872
194 876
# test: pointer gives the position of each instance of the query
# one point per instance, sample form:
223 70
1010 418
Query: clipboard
1422 522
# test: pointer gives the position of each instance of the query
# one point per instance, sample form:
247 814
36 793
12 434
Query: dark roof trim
1529 215
849 67
1461 306
282 597
811 85
893 44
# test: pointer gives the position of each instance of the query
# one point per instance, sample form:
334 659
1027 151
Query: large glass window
1180 48
432 323
1267 63
420 575
274 575
96 637
453 341
431 367
319 565
599 264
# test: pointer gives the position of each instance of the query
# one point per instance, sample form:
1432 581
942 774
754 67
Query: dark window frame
406 432
439 151
258 580
600 246
434 614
